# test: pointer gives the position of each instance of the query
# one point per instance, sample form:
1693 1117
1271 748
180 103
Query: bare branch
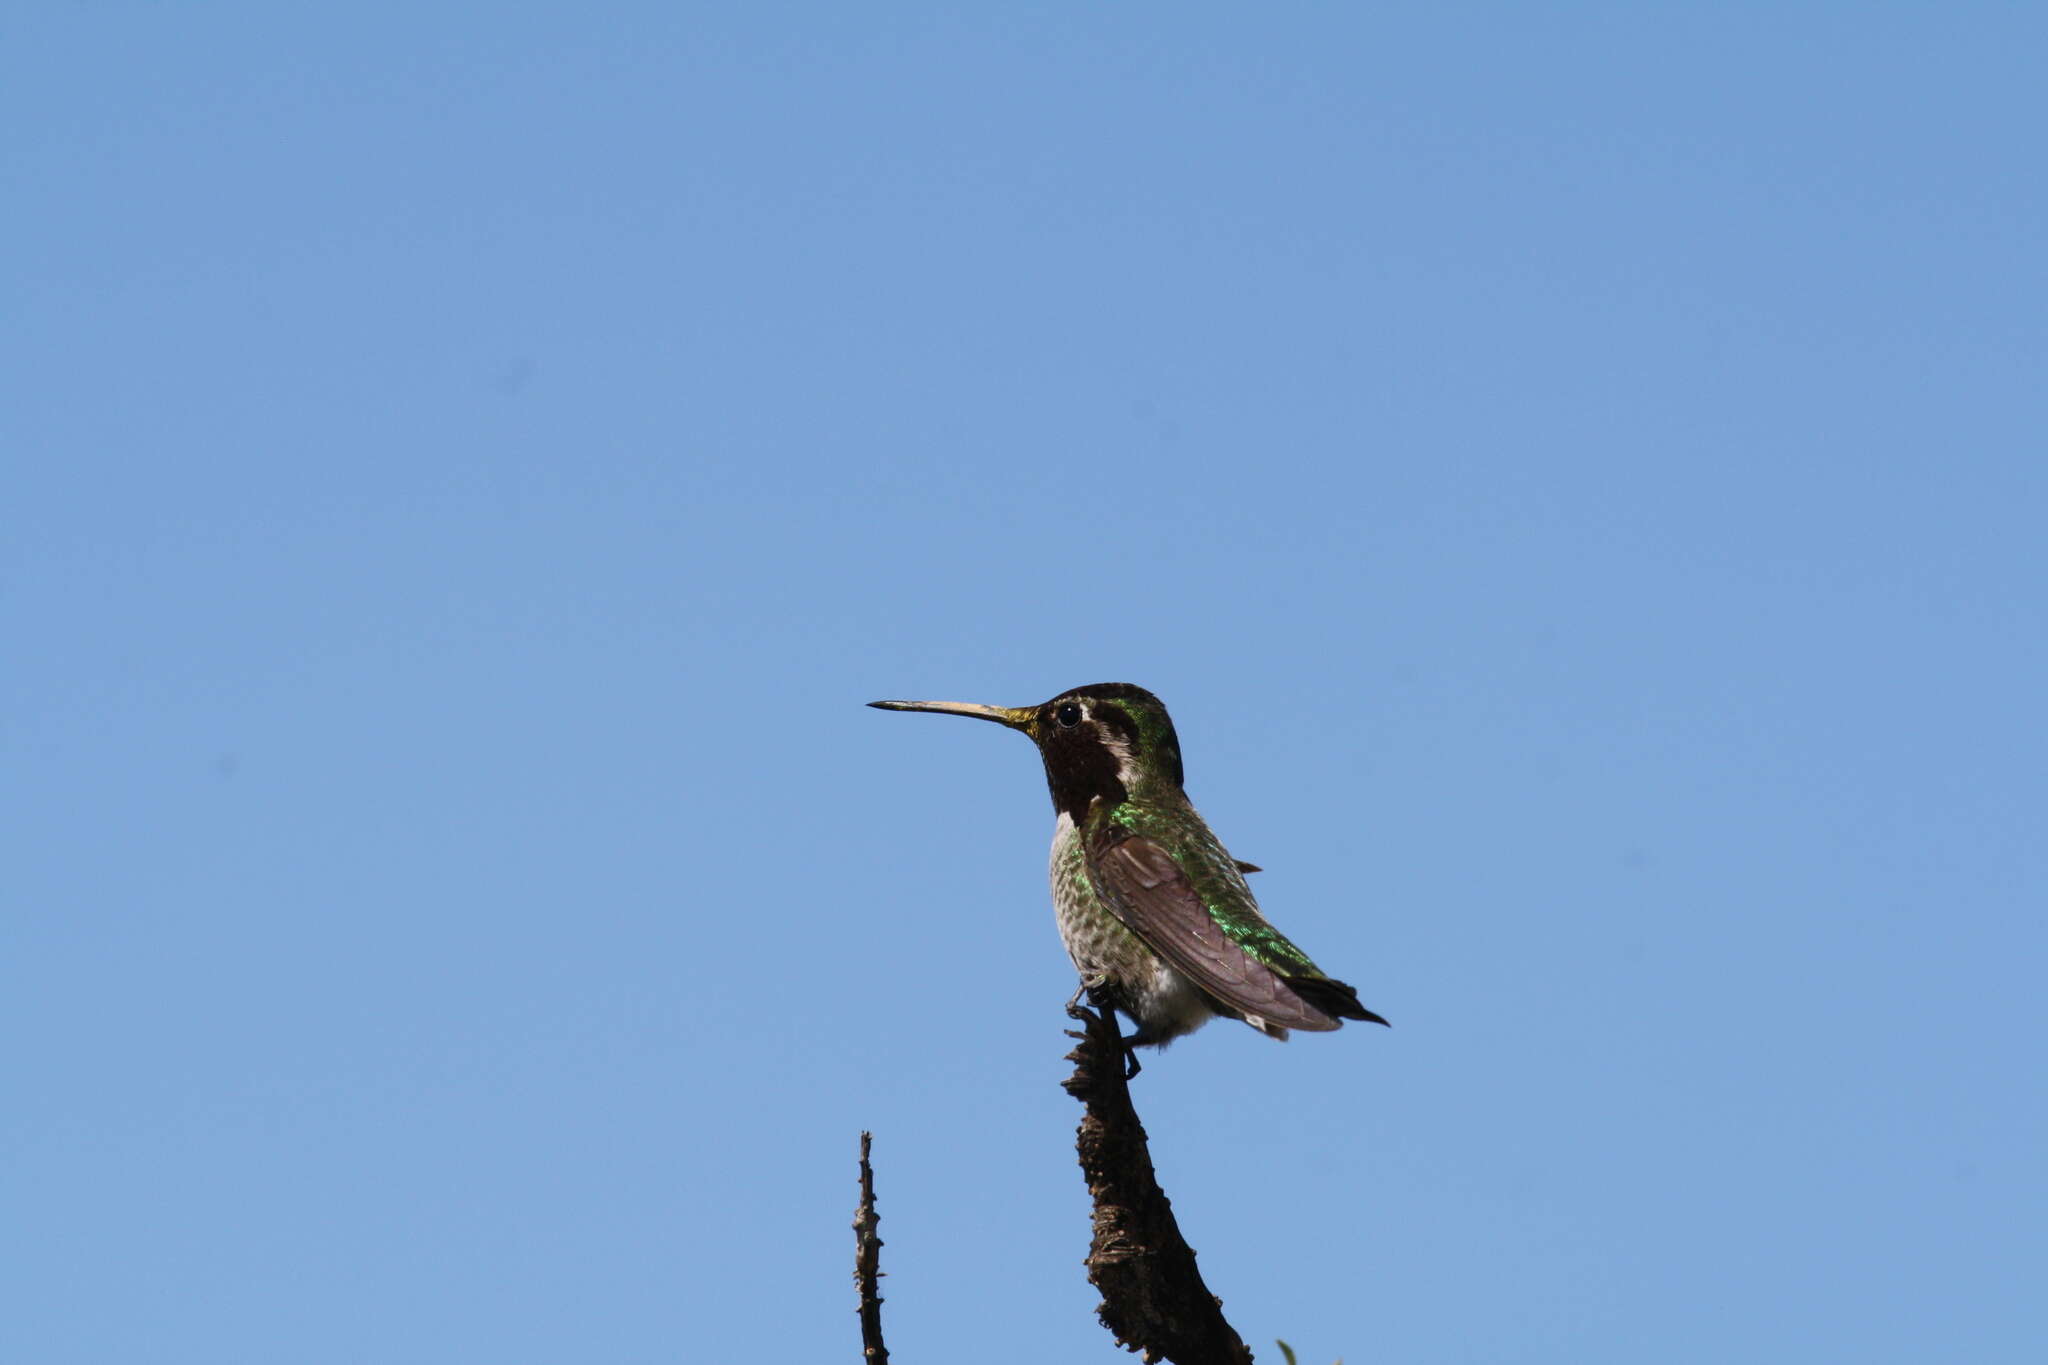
867 1263
1153 1298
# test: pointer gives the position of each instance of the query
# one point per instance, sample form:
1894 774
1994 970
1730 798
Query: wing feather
1148 891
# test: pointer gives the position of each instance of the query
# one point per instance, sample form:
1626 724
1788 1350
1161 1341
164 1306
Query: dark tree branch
1153 1298
867 1263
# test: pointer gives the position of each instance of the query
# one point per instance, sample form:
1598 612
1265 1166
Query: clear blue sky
1577 473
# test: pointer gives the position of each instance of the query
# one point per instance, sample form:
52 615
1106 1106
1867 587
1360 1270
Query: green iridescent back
1169 820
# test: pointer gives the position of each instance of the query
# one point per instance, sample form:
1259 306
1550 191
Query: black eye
1068 714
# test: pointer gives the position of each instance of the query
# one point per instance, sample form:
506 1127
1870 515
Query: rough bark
1153 1298
867 1263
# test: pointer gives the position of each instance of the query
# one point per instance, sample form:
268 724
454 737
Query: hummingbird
1155 913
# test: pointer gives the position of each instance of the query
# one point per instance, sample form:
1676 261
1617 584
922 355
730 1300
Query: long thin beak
1016 717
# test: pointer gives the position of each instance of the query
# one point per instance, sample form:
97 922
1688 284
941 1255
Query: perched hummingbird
1153 910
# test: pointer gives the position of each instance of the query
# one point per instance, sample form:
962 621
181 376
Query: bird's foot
1097 990
1130 1046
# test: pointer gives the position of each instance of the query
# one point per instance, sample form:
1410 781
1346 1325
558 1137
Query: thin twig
867 1263
1153 1298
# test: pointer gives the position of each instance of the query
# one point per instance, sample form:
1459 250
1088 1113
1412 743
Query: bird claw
1097 990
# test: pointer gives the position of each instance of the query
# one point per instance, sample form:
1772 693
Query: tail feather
1331 997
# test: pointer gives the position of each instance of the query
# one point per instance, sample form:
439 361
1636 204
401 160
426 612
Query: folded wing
1148 891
